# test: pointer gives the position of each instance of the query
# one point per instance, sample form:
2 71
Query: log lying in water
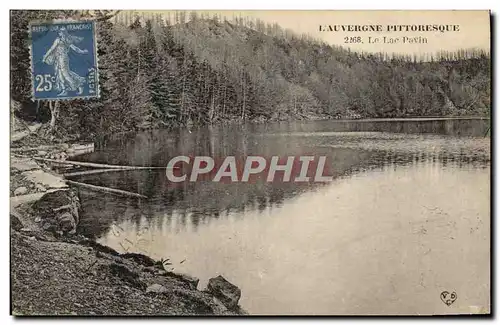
87 164
94 171
107 189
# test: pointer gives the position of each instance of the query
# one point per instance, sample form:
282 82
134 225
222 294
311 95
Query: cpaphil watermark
249 169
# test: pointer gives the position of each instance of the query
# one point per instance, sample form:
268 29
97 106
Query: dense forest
188 69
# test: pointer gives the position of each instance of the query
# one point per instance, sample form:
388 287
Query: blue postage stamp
64 60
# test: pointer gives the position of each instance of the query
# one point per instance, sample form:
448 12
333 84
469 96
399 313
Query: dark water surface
406 217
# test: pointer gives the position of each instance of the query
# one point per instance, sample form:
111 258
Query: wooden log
87 164
107 189
94 171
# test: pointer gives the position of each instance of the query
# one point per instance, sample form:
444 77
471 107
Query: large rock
20 191
58 211
15 223
156 288
225 291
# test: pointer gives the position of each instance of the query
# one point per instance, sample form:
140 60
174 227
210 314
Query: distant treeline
184 69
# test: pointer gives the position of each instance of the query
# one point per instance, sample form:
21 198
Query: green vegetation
186 69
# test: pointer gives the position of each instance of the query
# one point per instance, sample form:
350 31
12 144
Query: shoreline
416 119
56 271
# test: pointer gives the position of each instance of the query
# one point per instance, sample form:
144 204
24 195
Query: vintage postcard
250 162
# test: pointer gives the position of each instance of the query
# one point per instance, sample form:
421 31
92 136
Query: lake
406 217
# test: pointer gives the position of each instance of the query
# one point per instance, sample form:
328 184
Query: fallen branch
87 164
107 189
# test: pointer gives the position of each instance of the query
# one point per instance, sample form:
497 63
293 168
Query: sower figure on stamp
58 55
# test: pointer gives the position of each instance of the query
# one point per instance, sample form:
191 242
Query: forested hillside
185 69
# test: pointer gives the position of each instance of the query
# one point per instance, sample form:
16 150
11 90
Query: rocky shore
56 271
51 276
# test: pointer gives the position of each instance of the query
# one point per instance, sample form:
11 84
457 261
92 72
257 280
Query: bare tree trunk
244 99
12 118
212 107
54 112
224 102
182 98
